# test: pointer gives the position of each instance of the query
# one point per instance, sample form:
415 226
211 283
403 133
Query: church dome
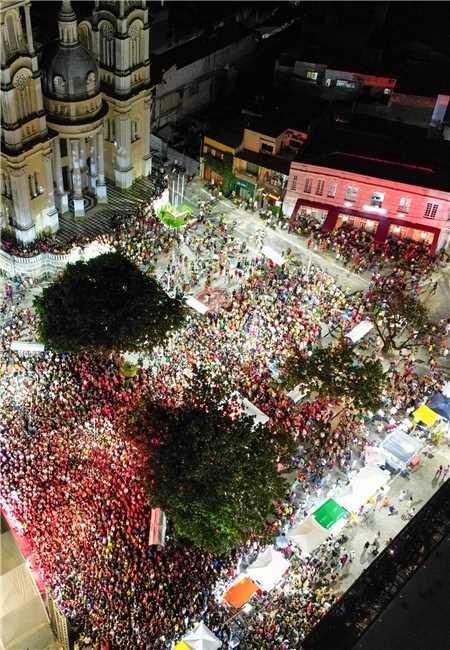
71 74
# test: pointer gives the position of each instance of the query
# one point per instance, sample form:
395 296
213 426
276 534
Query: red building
389 186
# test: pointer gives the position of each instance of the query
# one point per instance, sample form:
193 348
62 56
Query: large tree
338 372
215 475
401 320
104 304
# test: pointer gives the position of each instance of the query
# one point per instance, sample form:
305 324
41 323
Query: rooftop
387 150
277 163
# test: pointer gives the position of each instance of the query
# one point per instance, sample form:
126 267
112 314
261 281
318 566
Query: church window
90 82
134 130
14 37
107 44
59 84
135 44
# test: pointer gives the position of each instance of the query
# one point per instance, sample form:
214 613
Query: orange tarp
240 593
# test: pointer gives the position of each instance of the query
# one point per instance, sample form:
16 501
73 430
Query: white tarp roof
296 394
27 346
308 535
374 456
273 255
363 485
251 409
360 330
195 304
268 568
201 638
400 447
446 389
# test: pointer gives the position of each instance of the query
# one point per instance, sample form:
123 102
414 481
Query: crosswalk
98 220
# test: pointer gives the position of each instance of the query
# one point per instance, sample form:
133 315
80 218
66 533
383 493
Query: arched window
136 43
134 130
24 93
107 44
90 82
13 32
59 84
85 36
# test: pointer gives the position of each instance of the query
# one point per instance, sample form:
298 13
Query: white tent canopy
296 394
308 535
363 485
400 447
27 346
268 568
254 411
359 331
196 305
201 638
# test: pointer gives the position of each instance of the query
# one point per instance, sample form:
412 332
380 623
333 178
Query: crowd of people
357 249
74 481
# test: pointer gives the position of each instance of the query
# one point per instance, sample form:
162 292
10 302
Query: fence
43 263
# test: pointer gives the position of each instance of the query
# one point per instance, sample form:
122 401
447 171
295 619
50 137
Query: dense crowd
74 480
357 249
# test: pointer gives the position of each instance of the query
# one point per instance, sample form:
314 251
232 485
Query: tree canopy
401 320
214 475
338 372
104 304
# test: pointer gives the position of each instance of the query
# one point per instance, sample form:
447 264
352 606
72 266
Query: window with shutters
308 185
320 186
294 183
431 210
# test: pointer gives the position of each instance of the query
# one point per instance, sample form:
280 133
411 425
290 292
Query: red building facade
375 204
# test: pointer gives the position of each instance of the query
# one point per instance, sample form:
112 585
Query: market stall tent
182 645
201 638
329 513
425 415
441 405
240 592
359 331
268 568
308 535
400 448
363 485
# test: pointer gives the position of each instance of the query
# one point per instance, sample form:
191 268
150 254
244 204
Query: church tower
27 192
118 34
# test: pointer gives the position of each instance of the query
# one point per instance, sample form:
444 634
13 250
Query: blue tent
441 405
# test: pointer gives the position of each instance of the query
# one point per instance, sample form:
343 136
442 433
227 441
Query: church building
74 114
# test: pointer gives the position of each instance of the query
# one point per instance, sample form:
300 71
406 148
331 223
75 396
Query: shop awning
425 415
240 593
329 513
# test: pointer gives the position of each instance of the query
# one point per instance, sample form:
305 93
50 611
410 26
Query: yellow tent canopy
425 415
182 645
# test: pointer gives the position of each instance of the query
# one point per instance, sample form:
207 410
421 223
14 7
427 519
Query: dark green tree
214 475
104 304
338 372
401 320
